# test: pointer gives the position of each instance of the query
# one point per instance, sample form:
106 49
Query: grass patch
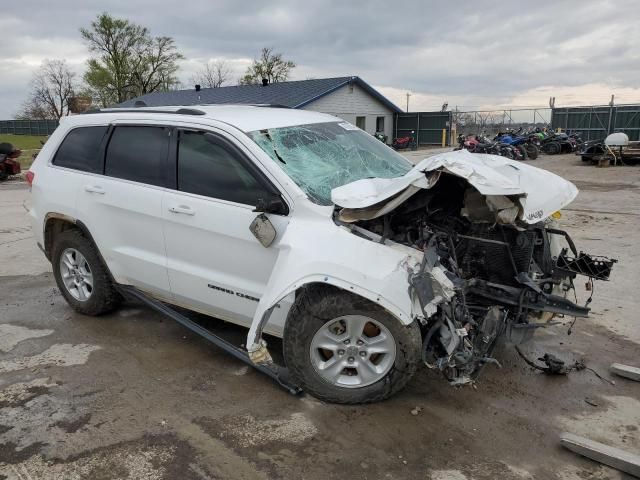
26 159
29 144
23 142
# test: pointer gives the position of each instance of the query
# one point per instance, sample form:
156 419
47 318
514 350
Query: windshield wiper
268 135
278 156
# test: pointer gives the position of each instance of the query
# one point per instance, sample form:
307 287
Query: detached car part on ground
365 265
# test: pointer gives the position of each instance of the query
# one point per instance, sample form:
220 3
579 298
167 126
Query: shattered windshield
322 156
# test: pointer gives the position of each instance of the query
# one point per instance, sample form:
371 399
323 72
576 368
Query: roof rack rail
268 105
180 111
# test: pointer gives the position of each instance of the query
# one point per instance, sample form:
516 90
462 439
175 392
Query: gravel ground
133 395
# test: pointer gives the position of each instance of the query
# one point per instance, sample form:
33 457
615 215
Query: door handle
183 209
94 189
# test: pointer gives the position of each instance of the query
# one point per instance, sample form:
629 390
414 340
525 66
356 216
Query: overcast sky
474 54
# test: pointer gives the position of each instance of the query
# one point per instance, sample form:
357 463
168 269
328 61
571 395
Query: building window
379 124
361 122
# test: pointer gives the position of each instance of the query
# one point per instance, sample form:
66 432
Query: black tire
507 153
523 151
104 298
551 148
312 309
532 151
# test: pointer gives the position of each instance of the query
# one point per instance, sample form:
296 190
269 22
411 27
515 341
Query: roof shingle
294 94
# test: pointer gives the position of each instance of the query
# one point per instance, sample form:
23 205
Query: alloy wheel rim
76 274
352 351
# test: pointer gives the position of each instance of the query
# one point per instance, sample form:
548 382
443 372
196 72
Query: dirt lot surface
133 395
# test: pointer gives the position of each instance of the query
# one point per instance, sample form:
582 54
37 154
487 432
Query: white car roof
244 117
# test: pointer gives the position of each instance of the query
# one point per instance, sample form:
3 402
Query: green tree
127 61
270 66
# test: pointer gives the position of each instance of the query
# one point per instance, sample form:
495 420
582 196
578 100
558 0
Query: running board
277 372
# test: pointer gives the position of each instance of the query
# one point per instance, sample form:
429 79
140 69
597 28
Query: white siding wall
350 102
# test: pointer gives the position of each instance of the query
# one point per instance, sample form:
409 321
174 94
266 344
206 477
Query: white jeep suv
300 225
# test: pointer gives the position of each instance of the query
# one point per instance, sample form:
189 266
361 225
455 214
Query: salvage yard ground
134 395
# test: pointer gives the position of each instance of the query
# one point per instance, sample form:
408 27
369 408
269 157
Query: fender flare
85 231
257 347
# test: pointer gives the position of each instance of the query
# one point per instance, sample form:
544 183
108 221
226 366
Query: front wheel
344 349
507 153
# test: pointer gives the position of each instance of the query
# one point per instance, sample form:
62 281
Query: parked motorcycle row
9 164
521 145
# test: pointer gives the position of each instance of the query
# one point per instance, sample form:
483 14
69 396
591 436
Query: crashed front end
493 259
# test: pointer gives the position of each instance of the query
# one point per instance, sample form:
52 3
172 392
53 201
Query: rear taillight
29 177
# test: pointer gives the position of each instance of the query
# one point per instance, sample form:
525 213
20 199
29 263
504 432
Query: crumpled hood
541 193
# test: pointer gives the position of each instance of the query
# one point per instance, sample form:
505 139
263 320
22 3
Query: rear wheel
532 151
81 277
523 152
344 349
551 148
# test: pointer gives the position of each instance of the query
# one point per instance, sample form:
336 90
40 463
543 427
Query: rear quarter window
80 149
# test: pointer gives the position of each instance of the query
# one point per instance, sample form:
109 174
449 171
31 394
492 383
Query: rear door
79 158
122 208
215 263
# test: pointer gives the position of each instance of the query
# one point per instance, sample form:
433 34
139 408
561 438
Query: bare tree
486 120
212 75
270 66
50 90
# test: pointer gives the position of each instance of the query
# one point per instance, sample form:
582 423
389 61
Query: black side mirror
275 205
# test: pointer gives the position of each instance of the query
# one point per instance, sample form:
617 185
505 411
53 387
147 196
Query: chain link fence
490 122
28 127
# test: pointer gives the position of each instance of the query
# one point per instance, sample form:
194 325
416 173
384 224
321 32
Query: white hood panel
541 192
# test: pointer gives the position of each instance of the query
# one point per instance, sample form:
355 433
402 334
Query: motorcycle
381 136
401 143
553 143
525 144
8 163
481 144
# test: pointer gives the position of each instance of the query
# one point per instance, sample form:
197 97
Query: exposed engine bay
485 272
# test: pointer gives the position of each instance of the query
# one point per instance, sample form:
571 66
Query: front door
215 263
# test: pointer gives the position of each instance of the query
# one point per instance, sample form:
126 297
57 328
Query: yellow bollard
444 137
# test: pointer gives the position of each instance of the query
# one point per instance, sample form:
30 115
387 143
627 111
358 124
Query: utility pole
611 104
408 95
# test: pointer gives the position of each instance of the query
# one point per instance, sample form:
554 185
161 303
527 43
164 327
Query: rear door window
80 149
208 166
138 153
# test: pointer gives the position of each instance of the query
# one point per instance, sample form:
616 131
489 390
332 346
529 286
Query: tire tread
323 304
